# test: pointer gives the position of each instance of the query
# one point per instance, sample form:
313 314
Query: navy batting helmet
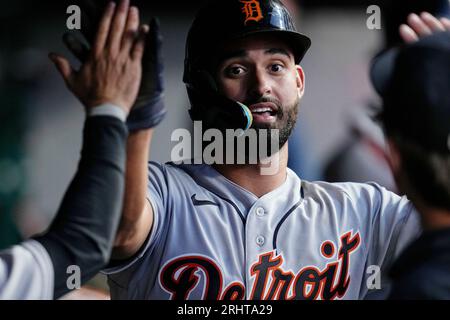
228 20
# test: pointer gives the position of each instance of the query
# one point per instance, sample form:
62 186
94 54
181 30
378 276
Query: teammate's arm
112 72
147 112
83 231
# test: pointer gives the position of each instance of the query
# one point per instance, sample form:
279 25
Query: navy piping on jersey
295 206
232 204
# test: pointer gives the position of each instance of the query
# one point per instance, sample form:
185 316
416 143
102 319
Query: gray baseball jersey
212 239
26 272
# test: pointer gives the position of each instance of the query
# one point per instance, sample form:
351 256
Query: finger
76 46
131 30
154 39
92 14
117 27
139 46
153 58
94 8
407 34
432 22
419 27
446 23
103 29
63 66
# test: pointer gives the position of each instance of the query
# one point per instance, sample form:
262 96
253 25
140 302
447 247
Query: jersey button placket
260 240
257 241
260 212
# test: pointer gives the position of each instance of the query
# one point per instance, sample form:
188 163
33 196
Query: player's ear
300 78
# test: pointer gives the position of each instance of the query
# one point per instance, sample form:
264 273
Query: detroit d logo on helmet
252 10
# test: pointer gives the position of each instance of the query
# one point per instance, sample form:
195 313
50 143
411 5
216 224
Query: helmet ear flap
196 110
212 108
203 86
205 80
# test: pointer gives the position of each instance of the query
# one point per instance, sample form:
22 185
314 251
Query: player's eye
276 67
234 71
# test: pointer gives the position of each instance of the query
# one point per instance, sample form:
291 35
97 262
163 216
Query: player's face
260 71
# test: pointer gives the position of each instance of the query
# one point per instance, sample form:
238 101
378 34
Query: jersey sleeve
157 195
395 223
26 272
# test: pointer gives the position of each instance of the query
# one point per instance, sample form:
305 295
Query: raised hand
422 25
149 108
111 71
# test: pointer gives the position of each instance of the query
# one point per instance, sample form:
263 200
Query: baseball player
225 231
414 83
83 231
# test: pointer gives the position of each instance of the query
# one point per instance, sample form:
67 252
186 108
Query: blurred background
41 122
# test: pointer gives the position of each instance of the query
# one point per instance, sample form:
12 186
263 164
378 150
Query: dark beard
285 123
248 150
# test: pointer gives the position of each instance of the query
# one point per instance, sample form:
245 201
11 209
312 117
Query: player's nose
260 84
